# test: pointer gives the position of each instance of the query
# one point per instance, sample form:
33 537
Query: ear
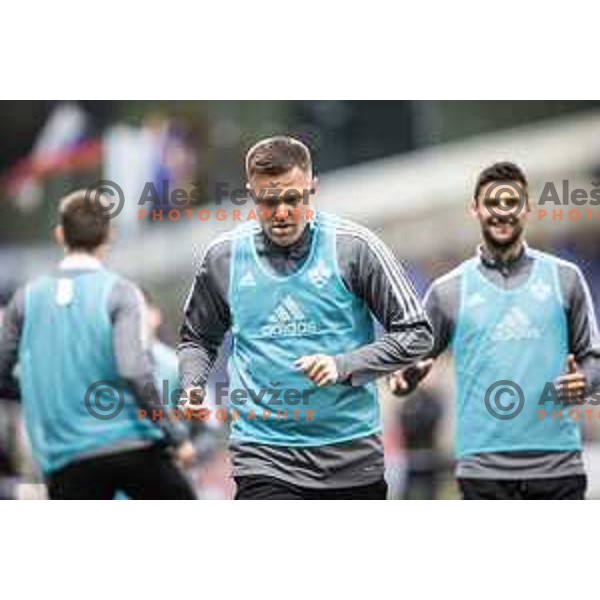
474 208
59 235
314 185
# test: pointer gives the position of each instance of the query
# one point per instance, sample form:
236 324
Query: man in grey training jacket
523 334
299 292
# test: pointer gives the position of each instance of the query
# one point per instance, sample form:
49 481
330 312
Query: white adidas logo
288 319
515 325
247 280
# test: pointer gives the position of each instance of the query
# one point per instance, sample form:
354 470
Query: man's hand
319 368
194 397
571 386
406 380
184 455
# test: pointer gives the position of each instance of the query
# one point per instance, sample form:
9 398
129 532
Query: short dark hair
500 171
277 155
82 221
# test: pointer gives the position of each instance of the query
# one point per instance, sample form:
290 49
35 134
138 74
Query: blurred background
406 169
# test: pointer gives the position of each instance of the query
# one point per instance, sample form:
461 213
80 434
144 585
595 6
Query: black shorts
256 487
145 474
553 488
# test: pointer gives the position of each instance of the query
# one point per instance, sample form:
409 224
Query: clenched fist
319 368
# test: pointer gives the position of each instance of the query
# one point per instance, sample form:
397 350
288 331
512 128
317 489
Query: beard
504 243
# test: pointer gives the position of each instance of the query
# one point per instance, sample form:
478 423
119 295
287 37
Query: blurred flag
63 146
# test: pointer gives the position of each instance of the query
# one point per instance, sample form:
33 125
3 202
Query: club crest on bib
248 280
475 300
319 275
540 290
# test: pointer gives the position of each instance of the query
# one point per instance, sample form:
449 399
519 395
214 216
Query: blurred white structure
417 202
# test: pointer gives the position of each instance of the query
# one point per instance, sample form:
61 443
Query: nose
281 211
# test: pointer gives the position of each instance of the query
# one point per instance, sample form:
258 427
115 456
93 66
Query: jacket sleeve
10 337
372 273
206 317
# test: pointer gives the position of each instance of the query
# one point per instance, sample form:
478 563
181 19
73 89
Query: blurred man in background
298 292
82 327
9 472
516 319
206 436
420 416
163 356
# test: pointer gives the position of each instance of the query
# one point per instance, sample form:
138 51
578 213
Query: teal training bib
276 320
518 335
66 347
